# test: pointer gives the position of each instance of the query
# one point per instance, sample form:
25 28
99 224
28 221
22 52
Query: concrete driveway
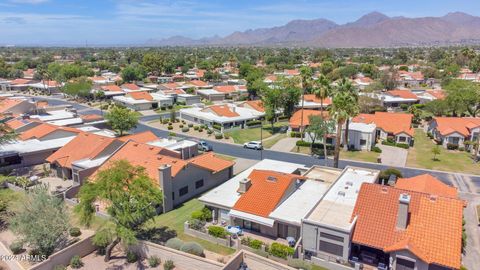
471 257
284 145
393 156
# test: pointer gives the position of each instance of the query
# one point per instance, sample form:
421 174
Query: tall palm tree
352 110
6 134
306 74
344 106
322 90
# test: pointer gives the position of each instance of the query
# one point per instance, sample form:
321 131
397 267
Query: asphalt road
465 183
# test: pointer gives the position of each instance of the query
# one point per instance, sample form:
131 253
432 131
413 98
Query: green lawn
367 156
175 220
420 155
241 136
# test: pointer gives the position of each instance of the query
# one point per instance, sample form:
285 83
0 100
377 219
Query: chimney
245 184
166 184
403 207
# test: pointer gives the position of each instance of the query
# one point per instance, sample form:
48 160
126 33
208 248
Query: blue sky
52 22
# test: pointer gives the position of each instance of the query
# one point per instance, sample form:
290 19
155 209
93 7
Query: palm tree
344 105
352 110
306 74
322 90
7 135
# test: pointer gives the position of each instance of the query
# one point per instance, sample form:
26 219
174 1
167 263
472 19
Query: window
173 195
331 237
183 191
403 264
402 139
199 184
331 248
363 142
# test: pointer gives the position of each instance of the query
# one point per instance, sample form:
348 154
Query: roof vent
433 198
349 183
384 189
272 179
341 193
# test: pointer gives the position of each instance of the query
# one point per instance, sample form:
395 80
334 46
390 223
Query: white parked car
253 145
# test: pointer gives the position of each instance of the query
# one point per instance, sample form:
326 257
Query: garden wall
181 259
205 236
81 248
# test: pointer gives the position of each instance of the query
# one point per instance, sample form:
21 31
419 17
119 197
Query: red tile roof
198 83
462 125
142 137
312 98
211 162
222 110
43 130
395 123
426 183
296 119
265 193
254 104
84 146
130 86
406 94
431 234
111 88
225 88
140 96
7 104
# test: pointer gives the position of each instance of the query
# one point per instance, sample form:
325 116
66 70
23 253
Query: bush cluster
253 123
75 232
192 248
76 262
376 149
281 250
185 129
16 247
132 257
218 136
154 261
168 265
295 134
252 243
217 231
174 243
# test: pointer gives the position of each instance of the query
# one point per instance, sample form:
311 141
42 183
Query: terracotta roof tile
462 125
265 193
111 88
130 86
142 137
43 130
211 162
140 95
406 94
7 104
296 119
85 145
254 104
395 123
222 110
312 98
426 183
432 235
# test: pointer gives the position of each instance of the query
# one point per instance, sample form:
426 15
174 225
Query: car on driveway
253 145
204 146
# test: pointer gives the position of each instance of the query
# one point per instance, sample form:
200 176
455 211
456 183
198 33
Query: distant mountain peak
371 18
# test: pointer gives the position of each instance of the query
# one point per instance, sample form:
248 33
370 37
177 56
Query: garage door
403 264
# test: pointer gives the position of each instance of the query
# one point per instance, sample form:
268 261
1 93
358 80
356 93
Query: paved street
471 258
465 183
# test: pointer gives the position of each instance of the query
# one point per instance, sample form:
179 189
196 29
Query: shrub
209 131
60 267
226 136
168 265
192 248
376 149
217 126
200 130
190 125
402 145
255 244
170 127
204 214
196 128
75 232
185 129
389 143
295 134
154 261
76 262
451 146
217 231
165 121
132 257
196 224
172 134
280 250
461 148
385 174
174 243
299 264
253 123
16 247
218 136
180 126
170 123
183 122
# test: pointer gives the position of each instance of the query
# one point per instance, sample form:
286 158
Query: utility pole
261 140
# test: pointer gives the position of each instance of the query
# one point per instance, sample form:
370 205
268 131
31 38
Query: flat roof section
336 207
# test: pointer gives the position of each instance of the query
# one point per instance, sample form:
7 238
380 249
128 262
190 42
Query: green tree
320 128
121 119
133 73
131 197
341 111
271 98
78 88
463 97
353 109
435 152
41 221
290 94
7 135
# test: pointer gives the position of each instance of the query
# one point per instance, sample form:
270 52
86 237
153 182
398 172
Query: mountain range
371 30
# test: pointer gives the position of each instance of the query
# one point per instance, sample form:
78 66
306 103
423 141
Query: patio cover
253 218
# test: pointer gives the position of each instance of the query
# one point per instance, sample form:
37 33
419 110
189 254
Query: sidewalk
285 145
